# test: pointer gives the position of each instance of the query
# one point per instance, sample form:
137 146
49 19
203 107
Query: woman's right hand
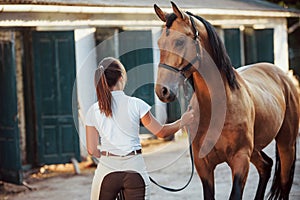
162 131
187 118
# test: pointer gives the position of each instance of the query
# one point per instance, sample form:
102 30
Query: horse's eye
179 43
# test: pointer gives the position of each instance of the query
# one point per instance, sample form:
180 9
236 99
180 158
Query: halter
190 64
182 71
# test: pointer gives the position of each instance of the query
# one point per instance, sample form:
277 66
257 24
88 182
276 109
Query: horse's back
268 70
274 96
269 79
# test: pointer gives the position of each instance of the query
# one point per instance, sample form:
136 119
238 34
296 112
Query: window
249 45
232 42
258 45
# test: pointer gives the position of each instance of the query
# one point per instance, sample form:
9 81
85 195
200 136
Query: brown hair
106 76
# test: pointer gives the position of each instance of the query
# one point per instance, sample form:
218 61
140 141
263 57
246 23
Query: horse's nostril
164 91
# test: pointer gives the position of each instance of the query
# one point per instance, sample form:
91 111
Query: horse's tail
277 191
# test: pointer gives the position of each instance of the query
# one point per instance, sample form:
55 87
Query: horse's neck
203 99
208 96
218 83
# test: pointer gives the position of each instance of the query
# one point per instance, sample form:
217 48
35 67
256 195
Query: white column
116 43
86 64
281 56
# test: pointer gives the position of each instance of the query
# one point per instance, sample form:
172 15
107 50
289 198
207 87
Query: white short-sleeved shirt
119 133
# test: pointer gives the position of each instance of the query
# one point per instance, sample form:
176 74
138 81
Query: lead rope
185 89
190 149
192 173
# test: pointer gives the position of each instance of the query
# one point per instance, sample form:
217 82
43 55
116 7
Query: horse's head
179 46
185 43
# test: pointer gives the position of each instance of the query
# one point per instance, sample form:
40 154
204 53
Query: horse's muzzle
165 94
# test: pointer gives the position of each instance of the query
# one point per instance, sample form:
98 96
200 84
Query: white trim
78 23
133 24
253 13
134 10
116 43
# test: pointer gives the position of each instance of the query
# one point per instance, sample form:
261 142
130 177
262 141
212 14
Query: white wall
281 55
85 67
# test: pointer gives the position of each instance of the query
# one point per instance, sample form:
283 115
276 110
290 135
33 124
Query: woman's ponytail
103 92
106 76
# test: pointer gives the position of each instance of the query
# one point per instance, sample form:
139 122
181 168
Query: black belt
106 153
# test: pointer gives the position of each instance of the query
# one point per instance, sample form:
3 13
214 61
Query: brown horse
259 103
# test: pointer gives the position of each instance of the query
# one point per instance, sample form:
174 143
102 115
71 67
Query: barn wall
85 67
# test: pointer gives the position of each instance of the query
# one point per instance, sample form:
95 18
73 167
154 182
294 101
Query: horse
260 104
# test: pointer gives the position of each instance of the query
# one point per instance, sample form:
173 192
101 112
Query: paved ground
168 163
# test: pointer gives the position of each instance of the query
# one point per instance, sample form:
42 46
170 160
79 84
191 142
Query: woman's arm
92 141
155 127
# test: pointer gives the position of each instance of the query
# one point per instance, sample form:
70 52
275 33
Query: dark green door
10 160
54 71
232 42
139 64
259 45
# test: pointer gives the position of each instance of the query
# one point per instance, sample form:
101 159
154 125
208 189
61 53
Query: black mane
220 55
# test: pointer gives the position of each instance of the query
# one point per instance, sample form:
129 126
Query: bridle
182 71
197 57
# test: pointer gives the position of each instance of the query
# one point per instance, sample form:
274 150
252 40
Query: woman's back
120 132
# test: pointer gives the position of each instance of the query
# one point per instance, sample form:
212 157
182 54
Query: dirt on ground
167 162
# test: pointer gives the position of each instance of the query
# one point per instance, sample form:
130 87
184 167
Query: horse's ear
178 12
161 14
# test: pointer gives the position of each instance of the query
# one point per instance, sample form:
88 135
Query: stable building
49 50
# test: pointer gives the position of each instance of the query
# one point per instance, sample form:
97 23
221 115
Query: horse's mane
220 55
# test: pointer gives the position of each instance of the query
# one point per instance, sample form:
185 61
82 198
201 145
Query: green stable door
136 55
10 158
54 72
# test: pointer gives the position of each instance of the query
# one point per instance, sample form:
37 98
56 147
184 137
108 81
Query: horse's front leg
206 174
239 165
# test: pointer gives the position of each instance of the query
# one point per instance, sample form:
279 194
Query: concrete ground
168 163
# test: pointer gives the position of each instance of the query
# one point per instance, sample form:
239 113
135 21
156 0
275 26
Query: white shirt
119 133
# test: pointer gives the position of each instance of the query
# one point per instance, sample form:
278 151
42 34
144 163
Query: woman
116 119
